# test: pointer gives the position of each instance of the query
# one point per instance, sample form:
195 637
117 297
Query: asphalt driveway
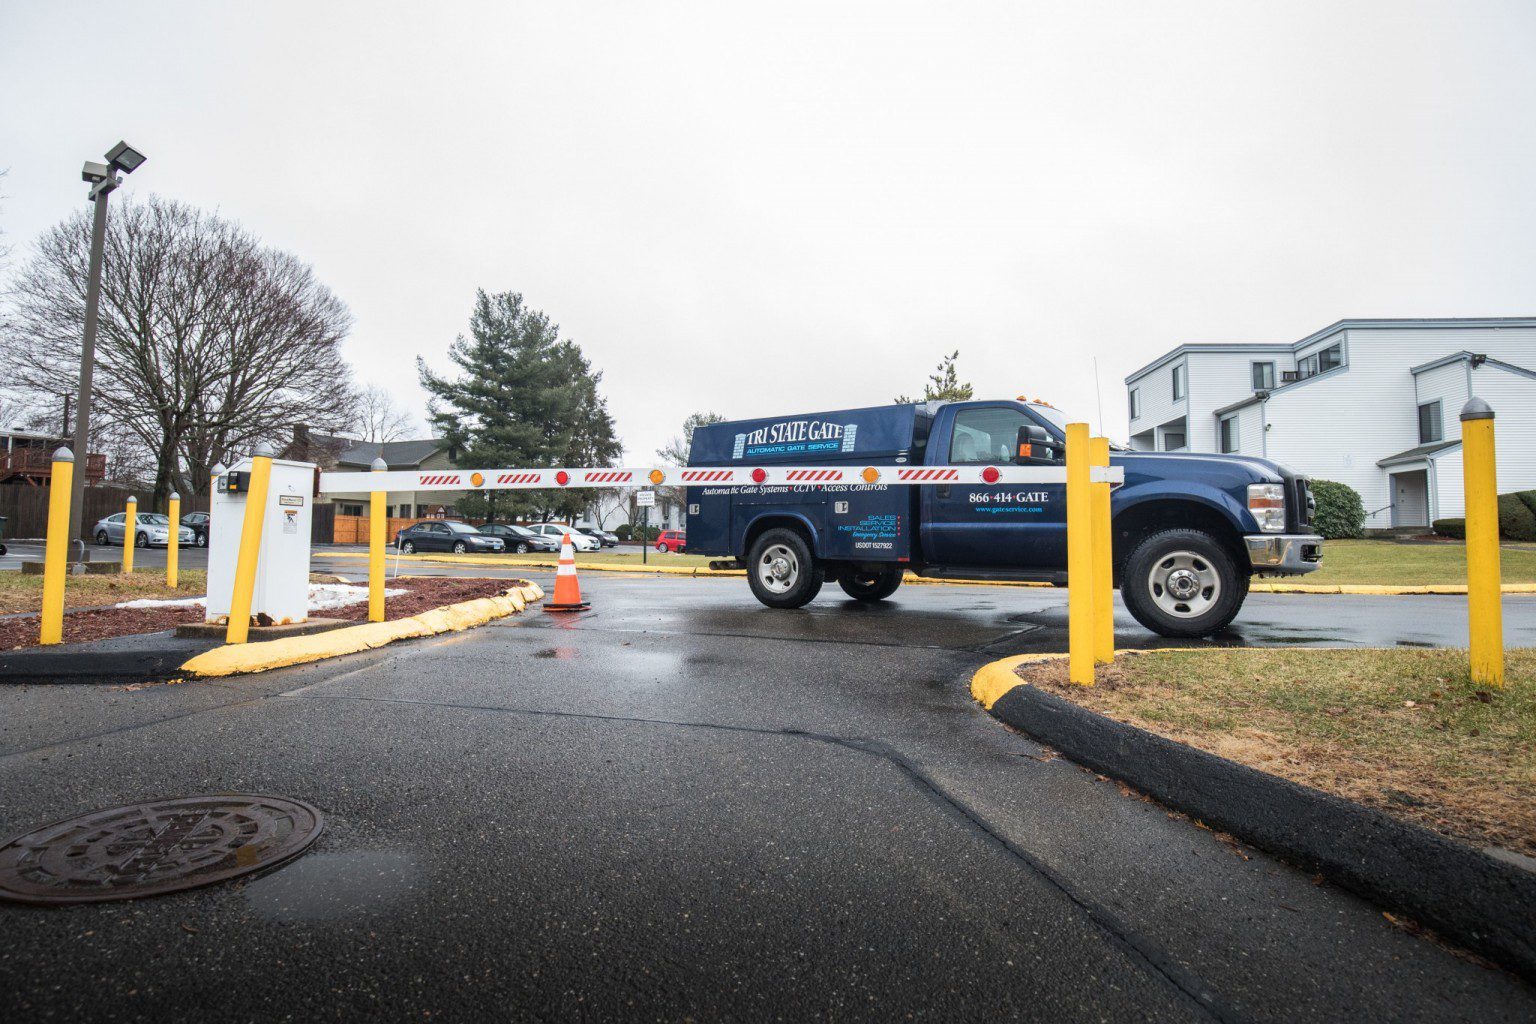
683 805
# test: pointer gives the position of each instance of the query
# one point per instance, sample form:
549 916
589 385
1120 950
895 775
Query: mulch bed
423 593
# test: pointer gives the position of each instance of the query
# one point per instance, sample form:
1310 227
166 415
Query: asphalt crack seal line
1481 903
237 659
1136 946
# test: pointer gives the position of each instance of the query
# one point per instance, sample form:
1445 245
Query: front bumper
1284 554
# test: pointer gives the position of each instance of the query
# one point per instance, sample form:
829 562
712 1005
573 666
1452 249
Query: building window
1178 382
349 508
1229 433
1330 358
1430 427
1135 403
1173 440
1263 376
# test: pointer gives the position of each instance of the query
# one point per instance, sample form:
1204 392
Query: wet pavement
683 805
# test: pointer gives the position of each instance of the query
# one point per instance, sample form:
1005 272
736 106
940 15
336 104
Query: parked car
579 540
444 536
152 530
519 538
671 540
198 521
604 538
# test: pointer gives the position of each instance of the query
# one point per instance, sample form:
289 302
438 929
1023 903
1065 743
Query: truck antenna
1099 393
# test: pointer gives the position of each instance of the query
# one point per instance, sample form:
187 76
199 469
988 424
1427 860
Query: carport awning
1419 454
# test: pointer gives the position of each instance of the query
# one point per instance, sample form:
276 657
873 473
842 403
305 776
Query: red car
671 540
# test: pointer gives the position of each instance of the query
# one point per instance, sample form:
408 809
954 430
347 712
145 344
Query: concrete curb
910 580
1469 897
241 659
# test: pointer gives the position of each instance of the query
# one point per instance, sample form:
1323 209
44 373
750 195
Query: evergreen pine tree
522 397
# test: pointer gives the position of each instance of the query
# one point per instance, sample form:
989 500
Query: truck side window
985 437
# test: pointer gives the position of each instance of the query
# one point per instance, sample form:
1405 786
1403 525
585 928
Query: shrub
1516 520
622 531
1456 528
1529 497
1340 512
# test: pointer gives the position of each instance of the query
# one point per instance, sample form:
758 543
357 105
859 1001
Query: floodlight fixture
125 158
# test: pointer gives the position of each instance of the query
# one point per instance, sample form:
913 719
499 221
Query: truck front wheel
870 586
782 571
1182 583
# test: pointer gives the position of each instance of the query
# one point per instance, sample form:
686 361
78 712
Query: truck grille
1305 503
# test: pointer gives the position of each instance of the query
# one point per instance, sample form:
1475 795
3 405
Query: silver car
152 531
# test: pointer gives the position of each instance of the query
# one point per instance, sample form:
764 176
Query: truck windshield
1055 417
1058 421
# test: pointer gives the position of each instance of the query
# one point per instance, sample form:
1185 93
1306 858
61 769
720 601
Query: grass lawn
1391 563
20 593
1402 730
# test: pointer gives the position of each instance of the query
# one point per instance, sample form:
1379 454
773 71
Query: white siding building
1369 403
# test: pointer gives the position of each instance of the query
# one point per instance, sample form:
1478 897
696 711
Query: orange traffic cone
567 589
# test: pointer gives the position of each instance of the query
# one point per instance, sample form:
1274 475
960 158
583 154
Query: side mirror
1035 447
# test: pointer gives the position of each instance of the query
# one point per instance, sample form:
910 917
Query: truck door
997 526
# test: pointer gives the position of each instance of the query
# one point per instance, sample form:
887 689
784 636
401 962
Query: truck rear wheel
782 571
864 585
1182 583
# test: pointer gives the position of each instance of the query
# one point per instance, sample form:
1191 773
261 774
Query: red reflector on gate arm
759 475
562 478
990 474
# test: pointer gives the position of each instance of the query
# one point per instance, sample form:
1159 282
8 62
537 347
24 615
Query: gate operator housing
282 567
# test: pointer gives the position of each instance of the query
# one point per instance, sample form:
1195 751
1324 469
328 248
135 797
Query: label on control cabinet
290 522
290 499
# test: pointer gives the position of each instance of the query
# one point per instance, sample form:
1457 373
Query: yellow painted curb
1378 589
239 659
996 678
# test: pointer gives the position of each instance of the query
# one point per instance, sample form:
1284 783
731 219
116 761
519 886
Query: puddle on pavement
333 886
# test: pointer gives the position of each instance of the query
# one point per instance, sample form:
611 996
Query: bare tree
378 417
209 342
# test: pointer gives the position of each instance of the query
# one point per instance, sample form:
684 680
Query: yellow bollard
130 533
1485 615
173 539
1103 561
250 546
56 554
1080 576
376 529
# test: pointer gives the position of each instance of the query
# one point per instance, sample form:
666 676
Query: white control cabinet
282 567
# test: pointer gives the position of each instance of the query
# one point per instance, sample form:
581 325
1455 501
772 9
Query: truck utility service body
1188 530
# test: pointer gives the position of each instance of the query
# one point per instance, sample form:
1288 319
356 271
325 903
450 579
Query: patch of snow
322 596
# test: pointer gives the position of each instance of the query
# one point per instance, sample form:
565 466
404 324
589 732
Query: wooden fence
26 508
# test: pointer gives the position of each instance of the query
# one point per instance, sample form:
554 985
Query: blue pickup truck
1189 530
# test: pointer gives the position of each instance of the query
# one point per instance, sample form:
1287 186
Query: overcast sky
787 207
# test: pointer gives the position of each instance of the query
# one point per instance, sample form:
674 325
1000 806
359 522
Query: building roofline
1257 396
1401 323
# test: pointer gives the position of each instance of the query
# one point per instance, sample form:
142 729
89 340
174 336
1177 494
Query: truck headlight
1267 503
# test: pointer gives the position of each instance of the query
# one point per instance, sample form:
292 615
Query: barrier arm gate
1087 474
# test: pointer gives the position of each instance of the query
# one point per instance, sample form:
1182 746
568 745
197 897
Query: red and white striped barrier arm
701 476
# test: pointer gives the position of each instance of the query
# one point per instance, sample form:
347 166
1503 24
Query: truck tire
1182 583
862 585
782 571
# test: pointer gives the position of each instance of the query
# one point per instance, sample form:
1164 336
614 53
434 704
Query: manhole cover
122 853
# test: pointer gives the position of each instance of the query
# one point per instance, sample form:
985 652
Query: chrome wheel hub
1184 584
778 569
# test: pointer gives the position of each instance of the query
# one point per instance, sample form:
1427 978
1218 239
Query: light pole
102 178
